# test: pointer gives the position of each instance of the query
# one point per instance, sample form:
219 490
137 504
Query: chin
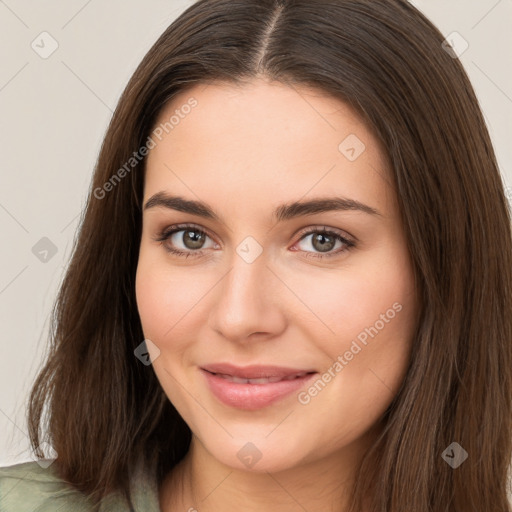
260 455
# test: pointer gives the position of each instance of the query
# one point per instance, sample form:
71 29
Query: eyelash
164 235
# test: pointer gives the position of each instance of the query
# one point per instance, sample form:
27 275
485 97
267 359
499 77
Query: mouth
260 380
253 387
254 372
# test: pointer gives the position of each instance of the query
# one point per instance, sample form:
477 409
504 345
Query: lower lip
252 396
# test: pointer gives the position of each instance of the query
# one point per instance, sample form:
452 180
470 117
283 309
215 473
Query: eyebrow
284 212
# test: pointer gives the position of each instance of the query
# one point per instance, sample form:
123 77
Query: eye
184 240
324 241
187 240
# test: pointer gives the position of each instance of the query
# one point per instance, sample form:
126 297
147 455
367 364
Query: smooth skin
245 151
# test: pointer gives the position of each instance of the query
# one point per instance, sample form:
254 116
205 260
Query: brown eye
184 240
323 242
192 239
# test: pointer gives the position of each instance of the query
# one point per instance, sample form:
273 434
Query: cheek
163 301
154 299
348 301
365 314
372 318
171 302
162 296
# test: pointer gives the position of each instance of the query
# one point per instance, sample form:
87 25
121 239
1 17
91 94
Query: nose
248 302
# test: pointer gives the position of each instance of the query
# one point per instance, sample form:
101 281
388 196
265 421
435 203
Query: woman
292 284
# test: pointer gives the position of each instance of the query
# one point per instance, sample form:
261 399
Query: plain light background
54 113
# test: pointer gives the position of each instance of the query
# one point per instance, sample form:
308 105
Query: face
317 299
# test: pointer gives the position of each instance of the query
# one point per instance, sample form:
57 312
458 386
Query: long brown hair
383 57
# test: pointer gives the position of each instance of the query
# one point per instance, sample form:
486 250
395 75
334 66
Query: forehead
264 140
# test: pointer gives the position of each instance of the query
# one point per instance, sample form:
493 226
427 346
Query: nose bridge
244 282
246 300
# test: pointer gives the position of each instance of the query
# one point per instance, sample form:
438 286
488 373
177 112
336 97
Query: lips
254 387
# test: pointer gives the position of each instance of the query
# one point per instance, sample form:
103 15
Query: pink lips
253 387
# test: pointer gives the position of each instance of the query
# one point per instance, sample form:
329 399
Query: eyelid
323 228
166 232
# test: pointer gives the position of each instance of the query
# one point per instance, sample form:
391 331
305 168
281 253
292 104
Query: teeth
291 377
264 380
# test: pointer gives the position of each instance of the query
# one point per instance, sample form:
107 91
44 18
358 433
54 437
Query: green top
31 487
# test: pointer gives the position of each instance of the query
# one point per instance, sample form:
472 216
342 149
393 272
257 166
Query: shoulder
30 486
36 487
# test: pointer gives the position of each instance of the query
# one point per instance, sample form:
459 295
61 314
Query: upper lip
254 371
